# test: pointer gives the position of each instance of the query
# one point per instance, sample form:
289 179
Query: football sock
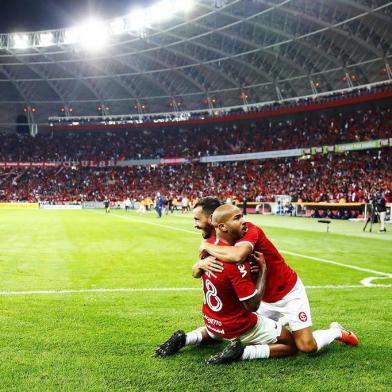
325 337
194 337
257 351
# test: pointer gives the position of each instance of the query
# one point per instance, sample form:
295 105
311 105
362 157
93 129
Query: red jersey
223 313
280 277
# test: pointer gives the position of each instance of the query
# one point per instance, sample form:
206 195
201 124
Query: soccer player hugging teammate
231 297
284 298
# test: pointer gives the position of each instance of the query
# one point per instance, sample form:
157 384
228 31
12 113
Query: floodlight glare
185 5
71 36
20 41
46 39
94 35
117 26
162 11
137 20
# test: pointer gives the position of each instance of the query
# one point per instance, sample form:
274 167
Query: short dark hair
209 204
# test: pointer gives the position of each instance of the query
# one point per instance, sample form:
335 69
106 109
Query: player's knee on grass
306 344
305 340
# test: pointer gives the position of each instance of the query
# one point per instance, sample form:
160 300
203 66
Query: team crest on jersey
302 316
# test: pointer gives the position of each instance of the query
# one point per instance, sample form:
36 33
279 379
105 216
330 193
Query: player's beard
206 235
240 232
206 232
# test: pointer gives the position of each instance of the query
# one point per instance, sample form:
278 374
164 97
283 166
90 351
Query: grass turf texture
105 341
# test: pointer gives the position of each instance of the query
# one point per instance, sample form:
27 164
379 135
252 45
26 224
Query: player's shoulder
254 229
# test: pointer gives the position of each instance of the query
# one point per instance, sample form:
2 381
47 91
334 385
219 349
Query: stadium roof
220 53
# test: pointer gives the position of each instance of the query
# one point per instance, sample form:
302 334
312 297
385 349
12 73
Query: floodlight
45 39
185 5
20 41
137 20
94 35
117 26
162 11
71 36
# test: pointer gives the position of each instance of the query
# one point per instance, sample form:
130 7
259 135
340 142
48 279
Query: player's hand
210 264
254 267
258 257
202 251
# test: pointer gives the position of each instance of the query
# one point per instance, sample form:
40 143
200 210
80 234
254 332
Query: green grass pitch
101 341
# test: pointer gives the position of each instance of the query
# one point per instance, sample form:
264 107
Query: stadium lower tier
353 176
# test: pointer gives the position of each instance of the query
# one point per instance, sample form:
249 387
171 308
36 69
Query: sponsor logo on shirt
220 331
212 321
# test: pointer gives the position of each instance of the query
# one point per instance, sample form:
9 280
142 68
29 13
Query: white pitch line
354 267
119 290
165 289
155 224
352 286
339 264
368 281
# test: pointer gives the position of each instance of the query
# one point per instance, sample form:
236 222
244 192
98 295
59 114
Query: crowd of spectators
353 177
304 132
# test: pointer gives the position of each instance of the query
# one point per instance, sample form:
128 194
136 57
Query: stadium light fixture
185 5
137 20
94 35
71 36
45 39
162 11
20 41
165 9
117 26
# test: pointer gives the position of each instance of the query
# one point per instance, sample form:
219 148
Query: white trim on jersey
249 296
245 242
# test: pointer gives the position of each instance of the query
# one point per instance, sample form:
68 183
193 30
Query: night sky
32 15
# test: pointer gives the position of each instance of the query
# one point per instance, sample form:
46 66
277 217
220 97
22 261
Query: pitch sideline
166 289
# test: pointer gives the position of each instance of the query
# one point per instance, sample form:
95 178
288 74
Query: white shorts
294 306
266 331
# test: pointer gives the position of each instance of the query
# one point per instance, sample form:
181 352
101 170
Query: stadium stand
351 176
371 123
153 112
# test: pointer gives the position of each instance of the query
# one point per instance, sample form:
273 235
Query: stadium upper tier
307 130
220 53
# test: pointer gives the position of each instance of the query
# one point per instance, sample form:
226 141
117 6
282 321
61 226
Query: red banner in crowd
59 164
173 161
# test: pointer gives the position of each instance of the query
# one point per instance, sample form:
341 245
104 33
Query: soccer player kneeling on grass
285 294
230 298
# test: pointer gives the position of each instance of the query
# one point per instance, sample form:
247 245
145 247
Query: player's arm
230 254
208 264
260 283
252 304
